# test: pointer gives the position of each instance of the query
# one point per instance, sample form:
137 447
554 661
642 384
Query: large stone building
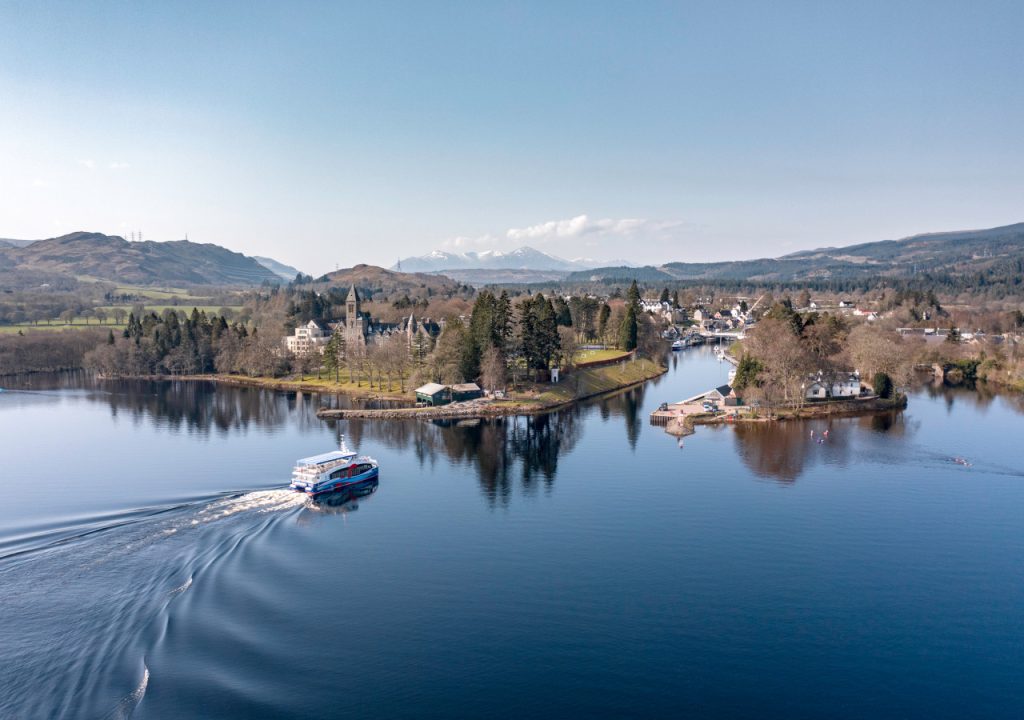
359 329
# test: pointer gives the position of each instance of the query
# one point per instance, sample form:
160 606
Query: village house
843 385
870 315
658 309
722 394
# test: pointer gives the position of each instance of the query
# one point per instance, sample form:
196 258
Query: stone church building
360 328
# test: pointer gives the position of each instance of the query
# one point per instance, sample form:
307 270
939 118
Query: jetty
672 415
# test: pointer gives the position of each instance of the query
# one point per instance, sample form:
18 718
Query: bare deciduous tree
493 369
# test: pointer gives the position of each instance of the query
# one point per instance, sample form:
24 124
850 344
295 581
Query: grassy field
57 326
152 293
78 322
584 356
143 291
183 306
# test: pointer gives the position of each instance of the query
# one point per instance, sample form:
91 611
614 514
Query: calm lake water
578 564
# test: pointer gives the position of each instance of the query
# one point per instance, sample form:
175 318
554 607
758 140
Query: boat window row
352 471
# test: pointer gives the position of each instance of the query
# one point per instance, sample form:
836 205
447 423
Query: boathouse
434 394
466 391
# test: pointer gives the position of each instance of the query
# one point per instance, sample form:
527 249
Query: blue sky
331 134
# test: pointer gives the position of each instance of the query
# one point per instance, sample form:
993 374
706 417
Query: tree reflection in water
979 395
504 450
785 450
200 407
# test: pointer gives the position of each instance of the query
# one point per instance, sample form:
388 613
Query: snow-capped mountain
524 258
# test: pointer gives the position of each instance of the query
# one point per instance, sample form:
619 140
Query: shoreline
686 424
264 383
523 404
602 381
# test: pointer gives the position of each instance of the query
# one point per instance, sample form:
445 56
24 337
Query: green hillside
109 257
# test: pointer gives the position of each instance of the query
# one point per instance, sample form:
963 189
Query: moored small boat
339 469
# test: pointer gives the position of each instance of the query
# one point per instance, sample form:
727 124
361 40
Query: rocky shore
684 425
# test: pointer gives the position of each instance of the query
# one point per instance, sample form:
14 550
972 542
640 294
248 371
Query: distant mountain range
7 243
285 272
958 253
524 258
109 257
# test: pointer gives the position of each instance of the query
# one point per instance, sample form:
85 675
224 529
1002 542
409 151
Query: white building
307 339
844 385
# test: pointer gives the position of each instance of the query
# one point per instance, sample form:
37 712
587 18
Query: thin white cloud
117 165
579 236
463 243
88 164
573 227
582 225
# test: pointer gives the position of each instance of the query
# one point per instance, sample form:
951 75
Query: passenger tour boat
336 470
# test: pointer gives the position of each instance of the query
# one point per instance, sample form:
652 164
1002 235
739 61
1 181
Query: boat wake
261 501
84 602
126 707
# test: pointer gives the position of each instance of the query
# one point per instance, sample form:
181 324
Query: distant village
702 320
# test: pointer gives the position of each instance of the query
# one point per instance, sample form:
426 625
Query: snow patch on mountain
523 258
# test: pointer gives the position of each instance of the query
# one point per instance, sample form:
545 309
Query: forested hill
109 257
377 280
949 255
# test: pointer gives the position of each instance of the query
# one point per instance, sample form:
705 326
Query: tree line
174 343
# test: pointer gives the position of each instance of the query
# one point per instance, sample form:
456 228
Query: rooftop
325 457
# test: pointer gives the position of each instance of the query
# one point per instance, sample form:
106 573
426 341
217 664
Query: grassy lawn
345 386
326 384
591 355
591 381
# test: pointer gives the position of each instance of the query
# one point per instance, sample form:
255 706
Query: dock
673 417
